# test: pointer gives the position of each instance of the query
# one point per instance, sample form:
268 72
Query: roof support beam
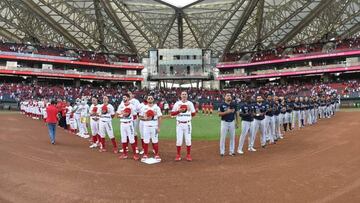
8 35
170 25
52 23
286 20
100 25
133 23
353 30
306 21
192 30
239 4
241 23
179 17
259 24
117 22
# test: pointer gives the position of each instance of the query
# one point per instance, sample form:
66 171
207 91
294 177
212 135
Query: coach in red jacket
51 120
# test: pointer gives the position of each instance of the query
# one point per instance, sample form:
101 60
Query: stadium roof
134 26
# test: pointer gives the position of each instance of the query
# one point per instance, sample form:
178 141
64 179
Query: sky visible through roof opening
179 3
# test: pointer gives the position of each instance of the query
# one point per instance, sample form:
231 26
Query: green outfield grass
203 128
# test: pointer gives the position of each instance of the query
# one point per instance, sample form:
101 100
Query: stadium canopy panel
134 26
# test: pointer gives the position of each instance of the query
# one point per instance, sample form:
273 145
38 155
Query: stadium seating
294 51
80 55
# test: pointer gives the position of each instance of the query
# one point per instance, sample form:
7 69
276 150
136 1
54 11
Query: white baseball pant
183 130
227 127
246 127
94 126
258 124
105 127
127 131
150 133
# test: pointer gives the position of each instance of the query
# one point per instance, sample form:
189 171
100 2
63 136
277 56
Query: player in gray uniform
269 118
296 113
276 110
308 111
259 122
302 111
246 112
228 113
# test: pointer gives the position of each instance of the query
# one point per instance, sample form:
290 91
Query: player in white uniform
136 104
77 112
83 119
68 109
106 112
141 126
94 122
184 110
125 113
151 114
72 120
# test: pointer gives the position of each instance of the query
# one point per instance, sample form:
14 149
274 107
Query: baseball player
77 111
106 112
311 111
68 110
259 123
302 111
83 119
228 113
184 110
151 114
141 126
136 108
269 119
125 113
288 114
282 116
276 112
94 122
246 112
307 111
296 113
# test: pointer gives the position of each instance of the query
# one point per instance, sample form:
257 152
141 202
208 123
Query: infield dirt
318 163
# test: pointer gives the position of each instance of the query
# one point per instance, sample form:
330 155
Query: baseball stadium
179 101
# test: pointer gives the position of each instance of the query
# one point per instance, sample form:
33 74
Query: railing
64 60
68 73
37 56
293 71
181 76
243 64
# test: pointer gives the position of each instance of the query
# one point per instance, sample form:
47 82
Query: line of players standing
145 116
273 114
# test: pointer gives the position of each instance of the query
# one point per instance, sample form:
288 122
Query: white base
150 161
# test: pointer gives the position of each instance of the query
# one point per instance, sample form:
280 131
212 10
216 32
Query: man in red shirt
52 120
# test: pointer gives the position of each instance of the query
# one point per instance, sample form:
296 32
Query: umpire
228 113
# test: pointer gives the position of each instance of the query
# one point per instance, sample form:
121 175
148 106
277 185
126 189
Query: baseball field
319 163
